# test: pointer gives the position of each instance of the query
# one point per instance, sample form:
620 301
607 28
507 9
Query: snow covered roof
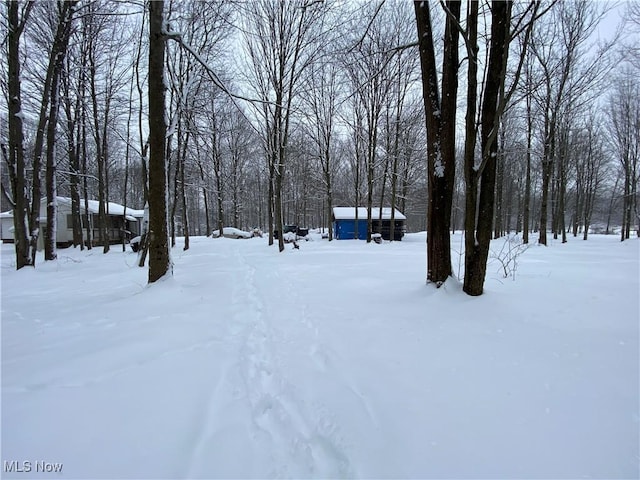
7 214
94 206
349 213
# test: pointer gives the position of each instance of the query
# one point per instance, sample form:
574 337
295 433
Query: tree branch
366 31
213 76
462 31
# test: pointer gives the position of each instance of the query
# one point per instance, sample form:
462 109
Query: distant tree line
275 111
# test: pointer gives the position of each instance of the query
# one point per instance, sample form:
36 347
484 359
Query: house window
83 219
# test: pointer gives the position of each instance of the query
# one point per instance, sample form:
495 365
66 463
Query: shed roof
94 206
349 213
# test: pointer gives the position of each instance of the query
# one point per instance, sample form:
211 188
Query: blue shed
344 223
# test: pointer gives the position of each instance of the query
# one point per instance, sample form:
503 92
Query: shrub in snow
508 255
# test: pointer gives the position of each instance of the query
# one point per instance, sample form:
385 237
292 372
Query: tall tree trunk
441 124
127 156
51 230
185 214
547 169
358 162
561 199
217 168
85 183
205 198
394 175
176 179
371 158
278 196
172 204
498 213
271 195
159 259
611 204
105 155
555 184
478 239
65 12
527 181
626 202
74 133
36 186
103 234
16 160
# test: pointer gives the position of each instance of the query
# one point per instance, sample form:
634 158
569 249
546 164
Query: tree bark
477 239
72 112
440 123
100 142
185 211
527 182
16 160
159 259
59 50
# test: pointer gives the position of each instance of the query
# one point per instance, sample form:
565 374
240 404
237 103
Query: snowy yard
334 360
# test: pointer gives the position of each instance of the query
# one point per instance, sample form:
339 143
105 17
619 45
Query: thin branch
461 30
366 31
66 172
401 48
213 76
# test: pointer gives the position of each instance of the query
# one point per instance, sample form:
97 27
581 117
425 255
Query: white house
6 227
116 226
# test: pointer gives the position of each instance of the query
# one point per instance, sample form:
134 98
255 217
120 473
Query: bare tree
589 167
159 258
107 76
528 94
632 19
480 179
279 40
368 64
440 108
568 75
59 50
323 104
15 158
624 130
239 142
73 106
216 157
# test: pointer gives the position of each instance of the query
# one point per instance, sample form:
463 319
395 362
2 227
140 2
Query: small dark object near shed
135 243
301 232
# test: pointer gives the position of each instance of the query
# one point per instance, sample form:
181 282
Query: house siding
6 228
64 229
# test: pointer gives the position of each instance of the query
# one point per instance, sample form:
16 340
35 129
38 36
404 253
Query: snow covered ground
334 360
